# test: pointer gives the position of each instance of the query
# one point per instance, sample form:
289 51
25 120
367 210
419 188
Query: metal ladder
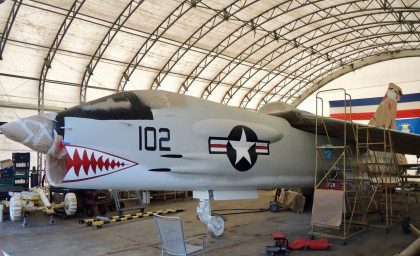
382 171
336 169
118 200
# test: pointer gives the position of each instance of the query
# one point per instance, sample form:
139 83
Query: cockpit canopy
120 106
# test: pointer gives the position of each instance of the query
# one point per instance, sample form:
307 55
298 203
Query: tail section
386 112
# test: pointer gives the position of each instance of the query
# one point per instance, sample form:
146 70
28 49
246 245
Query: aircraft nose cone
35 132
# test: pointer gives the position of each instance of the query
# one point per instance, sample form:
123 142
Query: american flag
408 111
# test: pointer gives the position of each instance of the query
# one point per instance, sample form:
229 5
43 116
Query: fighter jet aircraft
158 140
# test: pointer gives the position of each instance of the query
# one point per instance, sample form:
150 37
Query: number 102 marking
150 139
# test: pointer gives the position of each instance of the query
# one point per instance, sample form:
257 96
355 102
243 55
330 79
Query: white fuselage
185 134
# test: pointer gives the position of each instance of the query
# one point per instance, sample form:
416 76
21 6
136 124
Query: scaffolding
360 181
380 166
336 171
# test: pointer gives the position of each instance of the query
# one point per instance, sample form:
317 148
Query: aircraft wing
404 143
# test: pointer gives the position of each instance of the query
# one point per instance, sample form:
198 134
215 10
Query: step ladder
380 165
336 172
138 198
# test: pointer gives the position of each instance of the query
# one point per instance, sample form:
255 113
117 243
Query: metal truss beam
344 52
249 26
310 59
83 55
265 17
314 49
291 94
8 26
106 41
171 19
338 72
357 54
323 68
220 17
304 48
127 30
291 26
71 14
300 42
311 71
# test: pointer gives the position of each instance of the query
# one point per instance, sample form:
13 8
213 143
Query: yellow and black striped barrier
100 221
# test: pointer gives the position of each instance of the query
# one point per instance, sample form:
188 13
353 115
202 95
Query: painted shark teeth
85 163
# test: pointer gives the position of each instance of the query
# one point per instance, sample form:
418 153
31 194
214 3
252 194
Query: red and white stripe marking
220 146
262 148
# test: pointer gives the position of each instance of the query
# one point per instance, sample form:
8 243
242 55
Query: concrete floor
245 234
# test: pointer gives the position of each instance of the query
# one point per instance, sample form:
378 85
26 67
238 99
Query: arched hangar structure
245 53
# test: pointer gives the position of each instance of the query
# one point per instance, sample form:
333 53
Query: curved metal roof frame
296 48
294 43
216 20
338 72
73 11
252 49
263 62
9 23
183 8
231 39
106 41
298 57
314 65
318 73
366 50
320 14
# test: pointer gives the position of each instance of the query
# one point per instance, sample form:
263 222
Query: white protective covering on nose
35 132
55 170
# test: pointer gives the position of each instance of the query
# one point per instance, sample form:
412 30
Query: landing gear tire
217 226
70 204
15 208
274 206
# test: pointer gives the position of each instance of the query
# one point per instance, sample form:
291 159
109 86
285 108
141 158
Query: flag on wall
408 111
411 125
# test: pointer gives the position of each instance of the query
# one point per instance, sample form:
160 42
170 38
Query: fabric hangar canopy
244 53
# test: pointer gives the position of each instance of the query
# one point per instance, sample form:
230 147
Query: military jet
158 140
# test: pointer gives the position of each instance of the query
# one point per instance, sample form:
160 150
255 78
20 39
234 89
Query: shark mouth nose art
86 163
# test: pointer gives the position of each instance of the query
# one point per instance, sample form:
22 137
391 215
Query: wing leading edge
404 143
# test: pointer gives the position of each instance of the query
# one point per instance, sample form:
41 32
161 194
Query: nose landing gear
215 224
